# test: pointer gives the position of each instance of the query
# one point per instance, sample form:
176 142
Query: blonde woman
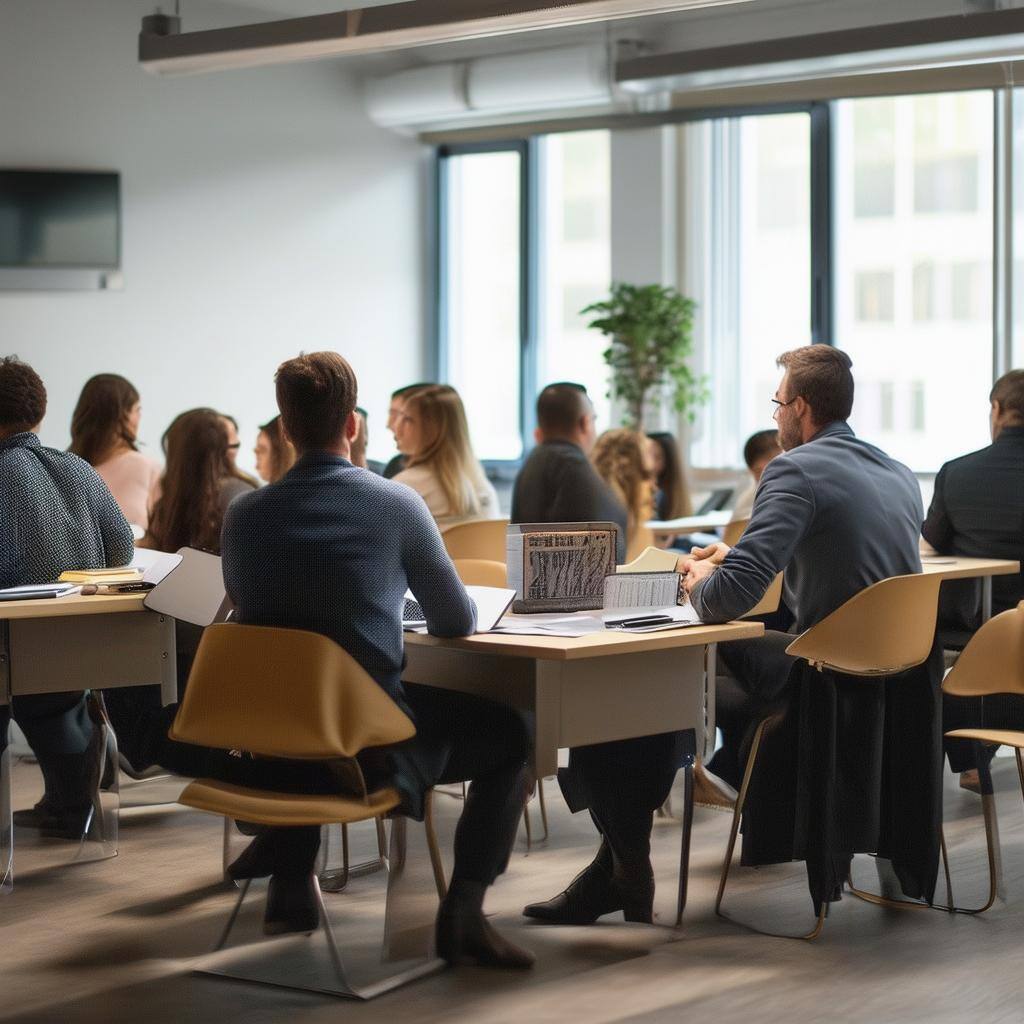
622 459
431 431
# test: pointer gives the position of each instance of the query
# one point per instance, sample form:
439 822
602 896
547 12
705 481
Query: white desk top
690 524
950 567
594 645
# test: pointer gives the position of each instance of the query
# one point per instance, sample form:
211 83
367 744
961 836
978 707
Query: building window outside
920 332
749 210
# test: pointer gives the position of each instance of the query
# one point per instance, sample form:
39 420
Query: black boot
292 905
255 861
464 935
596 891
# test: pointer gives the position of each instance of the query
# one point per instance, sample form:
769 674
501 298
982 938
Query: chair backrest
284 693
771 600
887 628
480 538
639 541
193 591
993 660
480 572
734 530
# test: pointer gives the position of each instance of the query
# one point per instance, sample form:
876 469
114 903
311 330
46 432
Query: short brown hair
820 375
316 394
22 395
560 407
1008 391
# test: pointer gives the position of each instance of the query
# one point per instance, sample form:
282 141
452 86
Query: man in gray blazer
834 513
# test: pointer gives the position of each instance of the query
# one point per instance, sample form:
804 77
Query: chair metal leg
988 808
285 960
101 825
543 807
684 844
741 801
539 783
436 863
6 824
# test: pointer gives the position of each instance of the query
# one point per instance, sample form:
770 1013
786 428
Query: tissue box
559 567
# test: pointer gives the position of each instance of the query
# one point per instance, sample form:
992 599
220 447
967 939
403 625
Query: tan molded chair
857 639
481 572
992 662
480 538
293 694
734 530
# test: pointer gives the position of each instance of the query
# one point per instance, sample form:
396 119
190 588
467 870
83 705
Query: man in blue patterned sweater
56 514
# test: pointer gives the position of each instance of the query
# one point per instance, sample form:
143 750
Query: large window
575 260
480 281
524 246
749 181
913 215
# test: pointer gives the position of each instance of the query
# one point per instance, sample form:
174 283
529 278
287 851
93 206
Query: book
651 560
106 577
559 567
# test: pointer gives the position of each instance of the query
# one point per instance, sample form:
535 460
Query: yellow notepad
119 574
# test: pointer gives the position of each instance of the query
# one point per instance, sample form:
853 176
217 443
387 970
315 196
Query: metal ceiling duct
377 29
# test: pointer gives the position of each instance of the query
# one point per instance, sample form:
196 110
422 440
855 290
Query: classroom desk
950 567
662 528
588 689
78 643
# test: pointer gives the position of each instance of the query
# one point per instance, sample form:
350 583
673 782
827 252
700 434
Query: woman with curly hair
622 459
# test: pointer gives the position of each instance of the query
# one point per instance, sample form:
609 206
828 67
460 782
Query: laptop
491 605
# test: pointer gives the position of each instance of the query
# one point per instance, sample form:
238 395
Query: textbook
105 577
651 560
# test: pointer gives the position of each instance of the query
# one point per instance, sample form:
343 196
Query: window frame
529 216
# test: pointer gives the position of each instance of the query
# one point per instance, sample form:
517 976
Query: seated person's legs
998 711
756 684
488 744
622 783
61 734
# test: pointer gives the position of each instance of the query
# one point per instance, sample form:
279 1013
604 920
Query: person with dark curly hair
56 514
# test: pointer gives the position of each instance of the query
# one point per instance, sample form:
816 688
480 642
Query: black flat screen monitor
60 219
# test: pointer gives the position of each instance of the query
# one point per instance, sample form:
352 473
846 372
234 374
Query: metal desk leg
6 820
986 598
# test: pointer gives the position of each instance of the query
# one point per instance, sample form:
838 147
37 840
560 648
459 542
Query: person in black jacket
56 514
620 783
977 511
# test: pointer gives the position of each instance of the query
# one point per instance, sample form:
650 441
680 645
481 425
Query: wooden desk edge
77 604
575 648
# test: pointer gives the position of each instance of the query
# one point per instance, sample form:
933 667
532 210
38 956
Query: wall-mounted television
60 219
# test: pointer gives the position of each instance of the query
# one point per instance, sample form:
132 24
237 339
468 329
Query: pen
645 620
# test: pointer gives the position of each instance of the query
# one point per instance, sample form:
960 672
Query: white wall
263 214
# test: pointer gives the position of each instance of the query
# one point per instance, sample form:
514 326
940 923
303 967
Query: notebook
37 591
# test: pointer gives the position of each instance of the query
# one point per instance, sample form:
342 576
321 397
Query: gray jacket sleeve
783 512
447 607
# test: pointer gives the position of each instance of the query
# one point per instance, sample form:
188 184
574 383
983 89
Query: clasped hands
699 564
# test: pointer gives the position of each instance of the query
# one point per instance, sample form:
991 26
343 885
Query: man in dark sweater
621 783
332 548
557 483
977 511
56 514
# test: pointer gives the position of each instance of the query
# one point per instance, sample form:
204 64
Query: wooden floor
118 940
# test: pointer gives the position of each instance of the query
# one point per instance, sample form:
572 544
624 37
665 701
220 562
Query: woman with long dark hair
104 431
199 482
672 500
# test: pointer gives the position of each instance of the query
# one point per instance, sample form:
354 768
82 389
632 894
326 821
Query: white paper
154 565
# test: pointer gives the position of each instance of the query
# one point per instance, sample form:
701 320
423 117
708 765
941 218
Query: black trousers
998 711
622 783
59 730
756 685
465 738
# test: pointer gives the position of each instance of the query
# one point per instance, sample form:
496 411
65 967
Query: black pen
645 620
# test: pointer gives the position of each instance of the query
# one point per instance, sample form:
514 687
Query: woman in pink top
104 428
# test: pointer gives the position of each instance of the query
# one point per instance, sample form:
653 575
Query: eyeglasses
237 444
779 404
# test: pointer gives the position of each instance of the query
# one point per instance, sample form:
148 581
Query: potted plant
650 328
